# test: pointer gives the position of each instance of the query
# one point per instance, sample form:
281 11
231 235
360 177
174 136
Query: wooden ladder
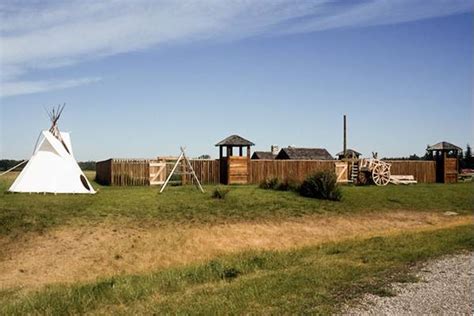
354 172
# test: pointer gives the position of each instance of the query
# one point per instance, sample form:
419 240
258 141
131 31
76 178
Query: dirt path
74 253
445 288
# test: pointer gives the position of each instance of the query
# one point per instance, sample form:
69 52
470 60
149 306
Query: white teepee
52 168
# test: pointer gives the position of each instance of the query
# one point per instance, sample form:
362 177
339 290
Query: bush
321 185
288 185
219 193
275 184
269 184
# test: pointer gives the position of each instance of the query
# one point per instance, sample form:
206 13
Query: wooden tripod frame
188 164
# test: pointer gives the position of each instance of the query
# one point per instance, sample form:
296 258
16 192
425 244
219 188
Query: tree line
6 164
466 160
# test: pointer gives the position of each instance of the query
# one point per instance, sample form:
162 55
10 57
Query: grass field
309 280
131 250
185 205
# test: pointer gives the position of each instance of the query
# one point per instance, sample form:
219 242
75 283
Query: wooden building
294 153
446 156
350 153
267 155
234 168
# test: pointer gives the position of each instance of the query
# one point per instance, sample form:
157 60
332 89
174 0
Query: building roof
263 155
235 140
350 152
304 154
443 146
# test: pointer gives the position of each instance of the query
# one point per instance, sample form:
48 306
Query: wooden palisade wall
137 172
207 171
123 172
423 171
296 170
237 170
450 170
103 172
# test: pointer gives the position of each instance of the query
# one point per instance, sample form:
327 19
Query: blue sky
142 78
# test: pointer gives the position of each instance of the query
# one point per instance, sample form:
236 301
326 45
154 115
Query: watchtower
446 156
234 169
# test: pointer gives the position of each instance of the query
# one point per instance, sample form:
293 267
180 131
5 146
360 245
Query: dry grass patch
84 253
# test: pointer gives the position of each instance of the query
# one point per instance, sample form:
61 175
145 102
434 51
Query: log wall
103 172
237 170
123 172
207 171
450 170
128 172
423 171
296 170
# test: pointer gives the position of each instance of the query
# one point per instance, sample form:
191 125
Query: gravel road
445 288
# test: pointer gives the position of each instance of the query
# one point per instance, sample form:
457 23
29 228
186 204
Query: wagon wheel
381 174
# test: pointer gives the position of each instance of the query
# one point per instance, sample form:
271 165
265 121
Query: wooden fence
103 172
123 172
128 172
131 172
296 170
207 171
423 171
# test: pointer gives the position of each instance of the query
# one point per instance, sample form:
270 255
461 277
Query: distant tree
87 165
467 161
205 156
468 152
414 157
462 161
411 157
6 164
428 154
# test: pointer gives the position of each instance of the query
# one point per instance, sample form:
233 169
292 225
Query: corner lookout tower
234 169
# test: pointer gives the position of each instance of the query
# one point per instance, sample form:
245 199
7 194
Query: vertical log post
248 164
345 138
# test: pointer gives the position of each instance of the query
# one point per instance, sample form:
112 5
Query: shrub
268 184
288 185
321 185
219 193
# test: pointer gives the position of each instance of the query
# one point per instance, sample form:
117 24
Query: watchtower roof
235 140
443 146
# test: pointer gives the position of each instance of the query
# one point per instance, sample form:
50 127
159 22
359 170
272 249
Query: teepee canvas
52 168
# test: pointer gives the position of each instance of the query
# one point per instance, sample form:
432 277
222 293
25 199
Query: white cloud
27 87
43 34
383 12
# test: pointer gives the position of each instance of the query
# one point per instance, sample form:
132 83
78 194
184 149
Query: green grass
310 280
185 205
